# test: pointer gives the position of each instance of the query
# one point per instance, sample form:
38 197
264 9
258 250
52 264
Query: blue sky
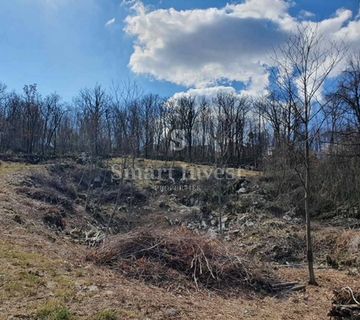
65 45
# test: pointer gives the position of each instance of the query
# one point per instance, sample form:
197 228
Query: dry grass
53 310
41 269
348 247
13 167
26 274
136 300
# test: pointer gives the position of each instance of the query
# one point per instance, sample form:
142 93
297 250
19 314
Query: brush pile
346 304
181 259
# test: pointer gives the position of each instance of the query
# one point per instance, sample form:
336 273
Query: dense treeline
123 122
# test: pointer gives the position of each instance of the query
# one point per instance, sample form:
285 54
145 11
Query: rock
249 224
184 211
287 217
191 226
51 285
171 312
93 288
354 245
242 190
212 233
353 272
172 222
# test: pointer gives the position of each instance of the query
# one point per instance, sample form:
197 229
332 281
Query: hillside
56 217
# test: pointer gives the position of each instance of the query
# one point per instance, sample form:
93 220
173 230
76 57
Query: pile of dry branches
181 258
346 304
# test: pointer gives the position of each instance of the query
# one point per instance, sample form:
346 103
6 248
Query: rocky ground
53 216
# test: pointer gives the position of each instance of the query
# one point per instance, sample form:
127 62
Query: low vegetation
53 310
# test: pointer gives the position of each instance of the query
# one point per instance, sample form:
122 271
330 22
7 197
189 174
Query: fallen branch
346 304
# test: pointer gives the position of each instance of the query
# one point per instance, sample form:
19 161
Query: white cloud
110 22
350 34
208 93
304 14
200 48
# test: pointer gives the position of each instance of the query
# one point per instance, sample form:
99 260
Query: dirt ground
42 270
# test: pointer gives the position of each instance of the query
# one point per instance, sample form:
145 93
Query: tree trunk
190 146
309 246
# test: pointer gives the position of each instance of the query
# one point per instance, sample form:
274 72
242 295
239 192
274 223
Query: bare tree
205 122
187 114
52 113
3 121
304 64
150 105
349 89
125 123
32 111
230 125
93 103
